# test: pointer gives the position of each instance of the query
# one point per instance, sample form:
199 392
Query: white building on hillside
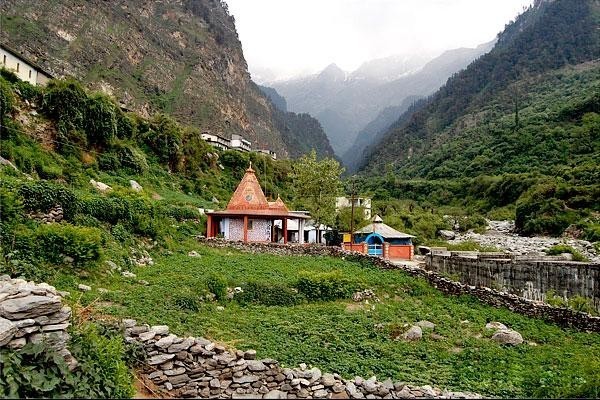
364 202
216 140
26 70
239 143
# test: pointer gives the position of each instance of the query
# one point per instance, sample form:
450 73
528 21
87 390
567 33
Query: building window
250 225
18 65
29 74
4 60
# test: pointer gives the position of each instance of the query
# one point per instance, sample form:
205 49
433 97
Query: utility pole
352 212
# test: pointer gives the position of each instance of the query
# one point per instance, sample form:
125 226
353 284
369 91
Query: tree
316 185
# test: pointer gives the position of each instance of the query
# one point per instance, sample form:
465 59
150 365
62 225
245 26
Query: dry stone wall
197 367
532 308
32 313
55 214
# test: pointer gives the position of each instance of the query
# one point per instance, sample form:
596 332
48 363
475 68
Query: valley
426 226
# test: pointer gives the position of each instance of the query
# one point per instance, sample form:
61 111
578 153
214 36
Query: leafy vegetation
37 371
563 248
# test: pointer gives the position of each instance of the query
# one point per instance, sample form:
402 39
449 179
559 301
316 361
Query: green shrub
10 206
165 139
7 100
54 242
217 285
42 196
9 75
325 286
102 371
66 101
120 233
100 121
563 248
181 213
132 158
186 302
29 92
37 371
269 295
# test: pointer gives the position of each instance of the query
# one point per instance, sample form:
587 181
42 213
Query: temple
381 240
249 217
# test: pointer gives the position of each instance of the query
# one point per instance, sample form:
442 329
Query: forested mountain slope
182 58
528 105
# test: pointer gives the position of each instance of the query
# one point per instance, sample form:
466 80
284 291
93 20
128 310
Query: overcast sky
297 37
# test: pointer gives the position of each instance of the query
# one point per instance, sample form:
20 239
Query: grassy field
354 338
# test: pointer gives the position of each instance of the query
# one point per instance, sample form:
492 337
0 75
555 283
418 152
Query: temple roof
386 231
249 199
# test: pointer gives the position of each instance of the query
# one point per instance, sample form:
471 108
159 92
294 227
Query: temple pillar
300 231
386 251
209 227
245 229
284 223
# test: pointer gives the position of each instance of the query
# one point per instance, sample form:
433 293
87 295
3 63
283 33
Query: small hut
379 239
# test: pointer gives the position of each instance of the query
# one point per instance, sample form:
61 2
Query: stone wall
32 313
528 277
54 215
532 308
197 367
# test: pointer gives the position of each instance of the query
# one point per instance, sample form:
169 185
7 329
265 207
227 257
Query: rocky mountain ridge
180 57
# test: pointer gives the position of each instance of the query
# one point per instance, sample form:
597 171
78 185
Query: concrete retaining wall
530 278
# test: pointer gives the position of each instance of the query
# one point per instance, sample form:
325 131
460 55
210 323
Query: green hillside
530 108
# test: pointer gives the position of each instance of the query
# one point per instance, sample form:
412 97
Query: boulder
103 187
446 235
413 334
508 336
327 380
29 307
135 186
7 331
84 288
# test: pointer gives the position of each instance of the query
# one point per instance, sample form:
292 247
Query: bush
100 121
325 286
42 196
269 295
29 92
37 371
66 101
54 242
186 302
7 100
563 248
165 139
217 285
102 371
10 206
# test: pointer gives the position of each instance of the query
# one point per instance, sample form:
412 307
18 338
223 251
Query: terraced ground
351 338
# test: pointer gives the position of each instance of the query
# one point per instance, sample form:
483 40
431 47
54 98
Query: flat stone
29 307
328 380
128 323
24 323
145 336
84 288
160 359
182 346
7 331
340 395
250 354
338 387
156 374
60 316
160 329
276 394
256 365
178 379
27 331
236 395
320 394
56 339
215 383
174 371
165 342
315 374
55 327
246 379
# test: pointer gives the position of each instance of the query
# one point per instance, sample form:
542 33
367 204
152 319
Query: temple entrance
375 242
